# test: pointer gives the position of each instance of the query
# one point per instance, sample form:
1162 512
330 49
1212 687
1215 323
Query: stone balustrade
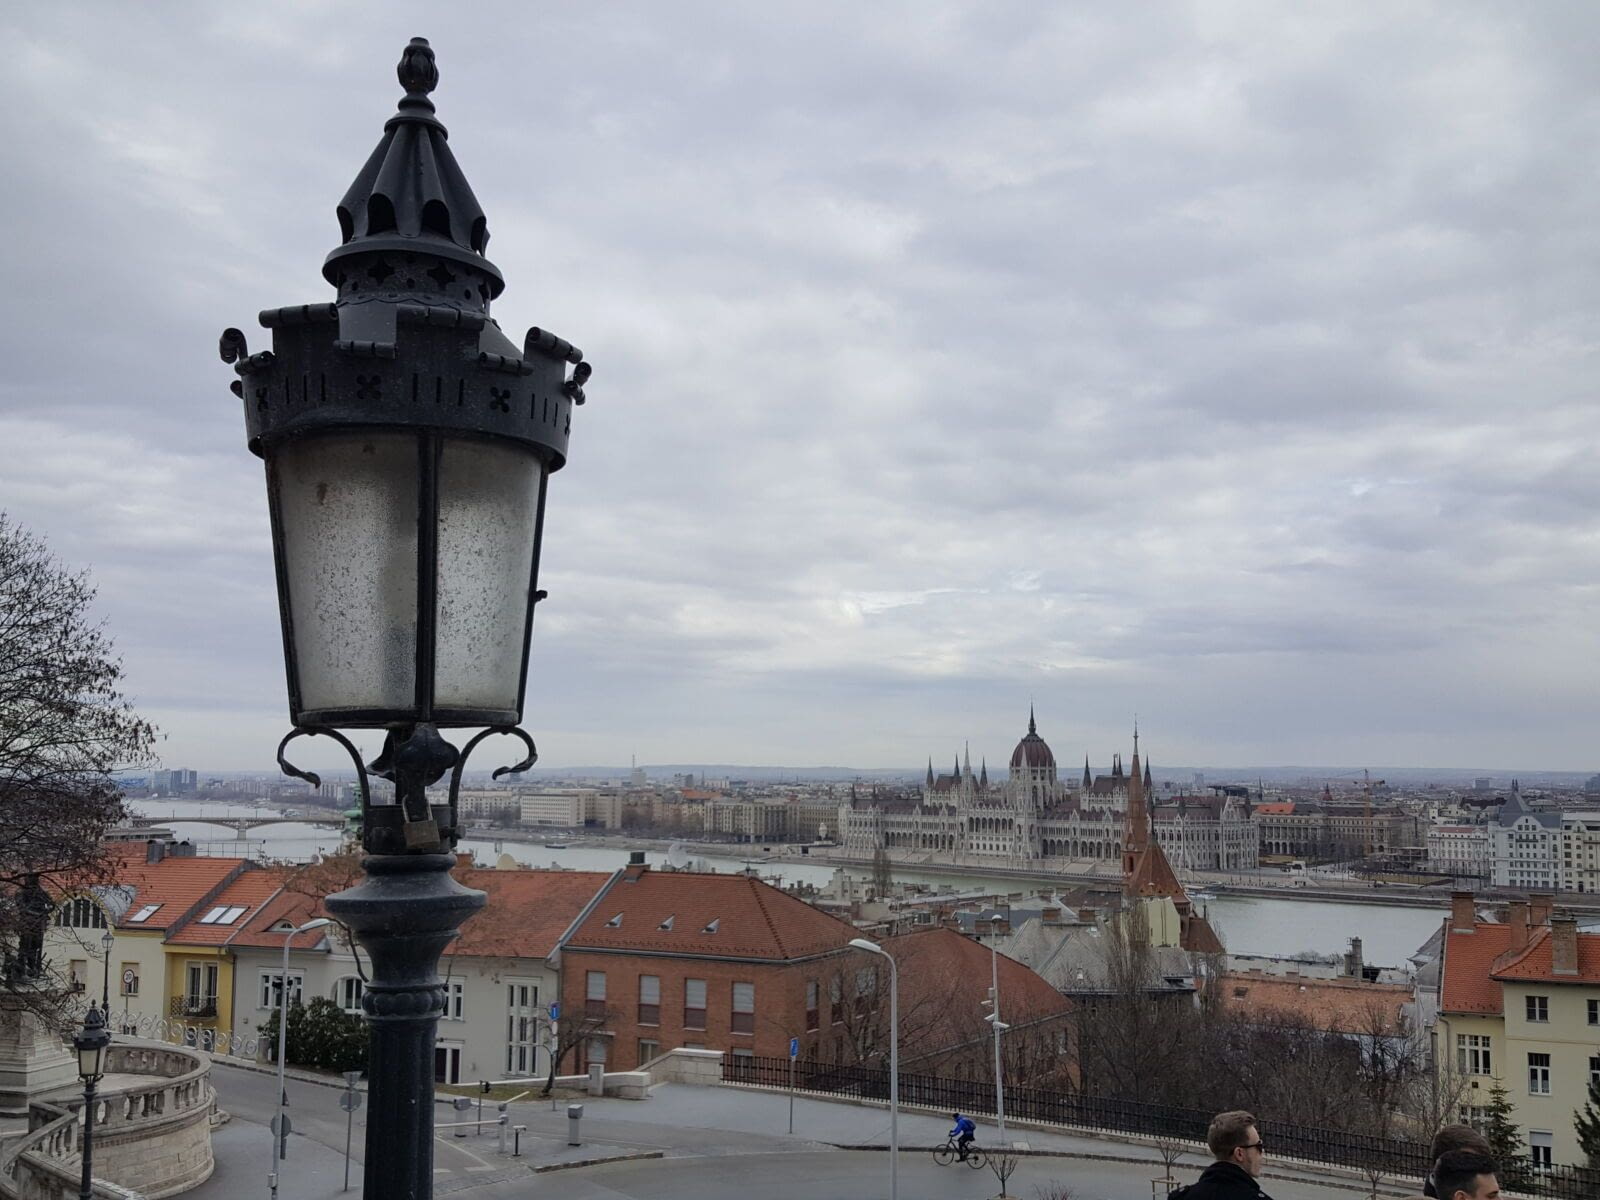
153 1137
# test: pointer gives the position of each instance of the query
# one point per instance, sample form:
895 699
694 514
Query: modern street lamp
280 1136
894 1062
90 1042
1000 1027
408 446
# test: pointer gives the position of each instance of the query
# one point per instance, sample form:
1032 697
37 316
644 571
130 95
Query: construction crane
1366 821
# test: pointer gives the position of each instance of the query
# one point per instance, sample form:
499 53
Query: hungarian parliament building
1034 817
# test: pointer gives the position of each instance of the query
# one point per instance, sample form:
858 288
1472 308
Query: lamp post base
404 914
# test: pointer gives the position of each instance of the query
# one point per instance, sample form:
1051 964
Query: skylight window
144 914
711 926
215 915
615 922
667 924
223 914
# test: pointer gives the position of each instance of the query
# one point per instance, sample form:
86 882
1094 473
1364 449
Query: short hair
1228 1132
1456 1170
1457 1137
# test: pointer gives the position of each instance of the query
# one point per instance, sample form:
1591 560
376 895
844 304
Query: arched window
81 913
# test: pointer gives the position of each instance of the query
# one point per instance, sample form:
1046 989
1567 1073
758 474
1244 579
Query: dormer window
711 925
615 922
144 914
667 924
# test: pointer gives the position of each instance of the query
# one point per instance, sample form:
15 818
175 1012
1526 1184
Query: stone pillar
33 1058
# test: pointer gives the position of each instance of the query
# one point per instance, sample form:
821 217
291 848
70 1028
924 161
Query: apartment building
1519 1002
721 962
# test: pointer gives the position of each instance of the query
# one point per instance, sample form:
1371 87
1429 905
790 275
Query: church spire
1032 727
966 757
1148 787
1088 780
983 775
930 770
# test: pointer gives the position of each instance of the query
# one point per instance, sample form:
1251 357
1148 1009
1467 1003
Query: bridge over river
241 825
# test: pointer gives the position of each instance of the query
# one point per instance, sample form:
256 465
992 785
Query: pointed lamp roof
411 195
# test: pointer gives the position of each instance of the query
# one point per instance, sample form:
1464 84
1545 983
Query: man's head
1233 1138
1466 1175
1457 1137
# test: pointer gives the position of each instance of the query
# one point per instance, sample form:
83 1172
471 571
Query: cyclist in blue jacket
963 1133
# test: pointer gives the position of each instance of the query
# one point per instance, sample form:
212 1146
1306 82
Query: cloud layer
1226 363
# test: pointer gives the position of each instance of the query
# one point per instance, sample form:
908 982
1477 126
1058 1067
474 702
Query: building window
744 1008
648 1049
130 979
1538 1008
200 990
594 1053
836 1000
1472 1054
649 999
1540 1149
1594 1070
81 913
522 1028
78 974
811 1005
694 1003
594 996
347 994
272 989
455 1000
1538 1074
1594 1012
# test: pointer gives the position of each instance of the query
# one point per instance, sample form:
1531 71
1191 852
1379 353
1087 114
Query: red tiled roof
944 975
527 910
1469 958
1342 1005
1276 808
176 884
753 919
1533 962
249 891
282 907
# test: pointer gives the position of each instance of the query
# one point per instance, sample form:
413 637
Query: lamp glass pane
347 505
488 512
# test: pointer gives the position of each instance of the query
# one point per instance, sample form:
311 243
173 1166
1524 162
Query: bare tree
1004 1163
65 727
571 1033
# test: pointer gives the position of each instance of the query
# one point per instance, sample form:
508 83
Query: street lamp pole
106 939
894 1062
999 1027
279 1137
408 444
90 1043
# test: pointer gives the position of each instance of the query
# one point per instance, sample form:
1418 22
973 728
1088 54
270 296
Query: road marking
455 1144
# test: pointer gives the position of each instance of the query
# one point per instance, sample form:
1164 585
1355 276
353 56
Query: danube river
1248 925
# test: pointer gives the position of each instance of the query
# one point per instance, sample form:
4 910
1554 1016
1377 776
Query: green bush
320 1035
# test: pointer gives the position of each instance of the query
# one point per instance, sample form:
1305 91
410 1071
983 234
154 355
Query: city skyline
1230 366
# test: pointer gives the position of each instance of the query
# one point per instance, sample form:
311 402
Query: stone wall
152 1138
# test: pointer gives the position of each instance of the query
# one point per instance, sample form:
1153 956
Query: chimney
154 851
1050 916
636 867
1463 914
1564 945
1539 905
1517 918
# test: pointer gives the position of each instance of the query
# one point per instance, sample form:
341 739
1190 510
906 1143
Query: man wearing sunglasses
1236 1145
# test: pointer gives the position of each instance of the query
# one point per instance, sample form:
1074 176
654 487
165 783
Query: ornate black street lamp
90 1042
408 444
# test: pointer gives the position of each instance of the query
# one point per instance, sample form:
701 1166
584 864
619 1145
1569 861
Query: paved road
706 1143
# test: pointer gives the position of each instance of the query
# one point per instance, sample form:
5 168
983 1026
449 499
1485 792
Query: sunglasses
1255 1145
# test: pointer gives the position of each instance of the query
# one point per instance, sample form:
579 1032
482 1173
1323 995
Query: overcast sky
1233 365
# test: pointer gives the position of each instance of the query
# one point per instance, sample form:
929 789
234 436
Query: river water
1248 925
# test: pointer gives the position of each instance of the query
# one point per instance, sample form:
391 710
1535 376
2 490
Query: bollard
574 1115
462 1104
501 1121
516 1140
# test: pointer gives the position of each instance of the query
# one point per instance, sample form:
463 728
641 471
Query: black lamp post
408 444
90 1042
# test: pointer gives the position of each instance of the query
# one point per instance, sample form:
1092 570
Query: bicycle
948 1153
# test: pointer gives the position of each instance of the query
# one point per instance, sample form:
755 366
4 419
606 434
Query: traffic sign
349 1101
555 1010
794 1047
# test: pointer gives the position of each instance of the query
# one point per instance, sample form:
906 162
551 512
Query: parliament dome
1033 751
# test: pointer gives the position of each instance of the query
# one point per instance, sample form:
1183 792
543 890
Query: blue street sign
794 1047
555 1011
